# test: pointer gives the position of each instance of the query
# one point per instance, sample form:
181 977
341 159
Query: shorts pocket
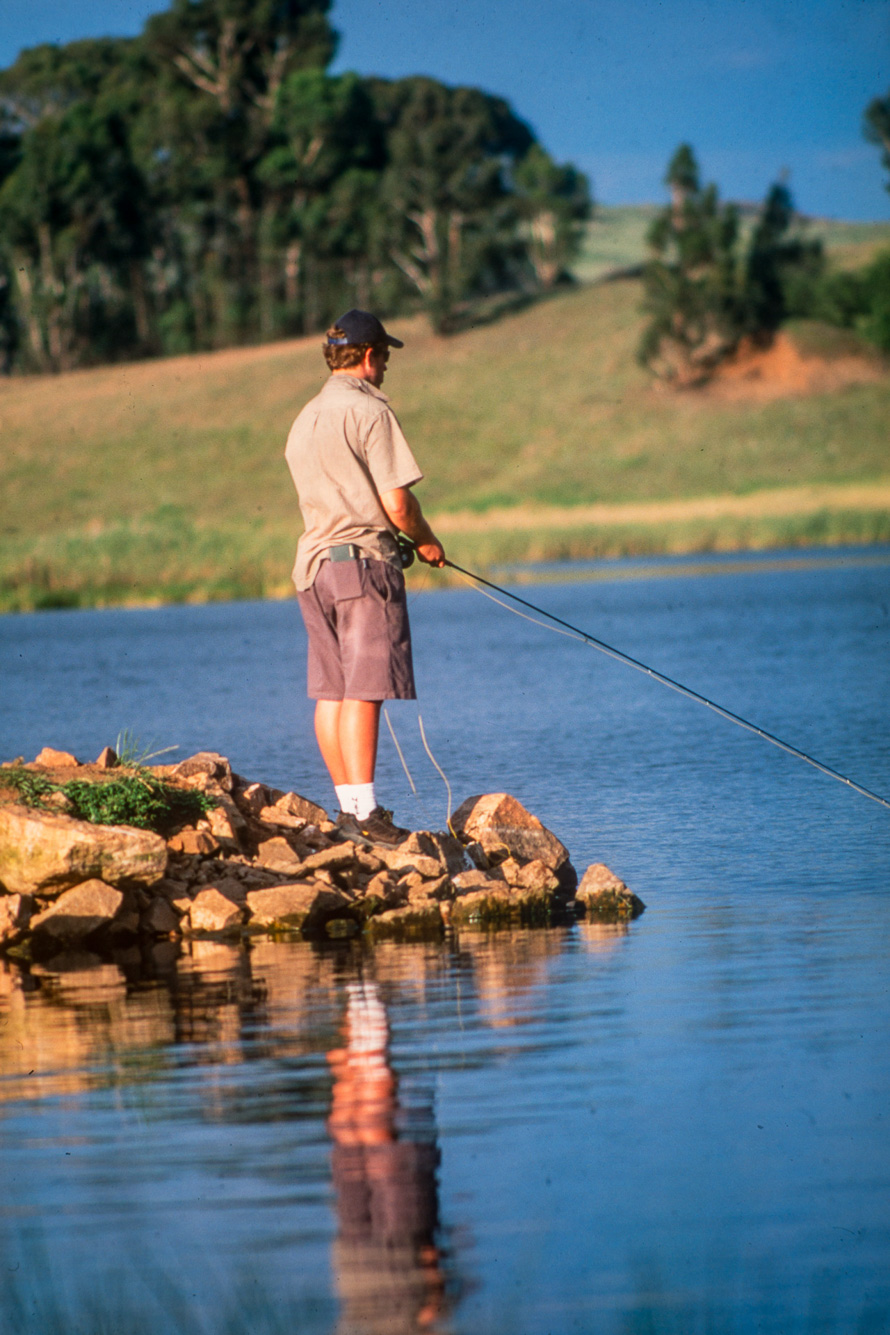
346 580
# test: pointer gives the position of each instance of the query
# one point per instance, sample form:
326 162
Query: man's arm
403 510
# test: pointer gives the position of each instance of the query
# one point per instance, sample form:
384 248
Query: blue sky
756 86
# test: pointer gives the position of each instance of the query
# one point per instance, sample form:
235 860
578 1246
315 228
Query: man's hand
433 553
403 510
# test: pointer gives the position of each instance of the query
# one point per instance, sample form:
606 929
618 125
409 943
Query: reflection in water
387 1265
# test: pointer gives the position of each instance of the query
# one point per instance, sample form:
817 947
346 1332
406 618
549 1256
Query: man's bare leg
347 732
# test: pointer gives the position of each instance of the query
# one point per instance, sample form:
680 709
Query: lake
679 1125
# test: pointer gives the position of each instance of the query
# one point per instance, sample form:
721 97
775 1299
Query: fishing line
422 805
575 632
426 747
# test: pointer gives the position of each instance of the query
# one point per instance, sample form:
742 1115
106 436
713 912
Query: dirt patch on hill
787 368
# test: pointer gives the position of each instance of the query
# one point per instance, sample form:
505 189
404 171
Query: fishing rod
677 686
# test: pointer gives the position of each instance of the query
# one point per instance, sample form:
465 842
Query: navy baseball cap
362 327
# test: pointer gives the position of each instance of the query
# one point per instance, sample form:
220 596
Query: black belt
347 551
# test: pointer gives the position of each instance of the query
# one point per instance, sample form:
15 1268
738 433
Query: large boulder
45 852
79 912
505 829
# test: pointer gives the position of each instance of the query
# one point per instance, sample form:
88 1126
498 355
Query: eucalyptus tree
72 209
451 219
553 202
222 65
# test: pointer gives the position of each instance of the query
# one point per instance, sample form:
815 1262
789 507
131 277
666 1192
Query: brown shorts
356 616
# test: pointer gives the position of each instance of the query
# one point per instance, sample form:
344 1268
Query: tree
692 289
450 221
877 127
702 295
210 183
554 203
72 218
778 259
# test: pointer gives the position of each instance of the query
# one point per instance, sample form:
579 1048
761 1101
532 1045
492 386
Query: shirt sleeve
389 458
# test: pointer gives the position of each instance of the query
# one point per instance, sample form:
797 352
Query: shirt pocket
347 580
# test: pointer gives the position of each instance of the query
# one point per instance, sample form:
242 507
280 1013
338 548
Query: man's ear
366 363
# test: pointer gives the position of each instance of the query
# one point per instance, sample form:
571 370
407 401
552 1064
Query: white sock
344 797
356 799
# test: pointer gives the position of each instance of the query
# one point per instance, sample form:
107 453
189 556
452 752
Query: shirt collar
355 382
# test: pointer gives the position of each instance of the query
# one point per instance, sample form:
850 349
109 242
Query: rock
275 816
396 860
605 897
226 825
504 828
534 875
160 918
304 906
466 881
193 841
340 856
231 888
126 922
253 798
107 758
277 855
79 912
212 912
451 853
291 804
409 921
15 914
52 759
43 851
210 763
489 901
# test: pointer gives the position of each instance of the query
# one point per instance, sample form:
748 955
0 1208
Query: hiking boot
377 828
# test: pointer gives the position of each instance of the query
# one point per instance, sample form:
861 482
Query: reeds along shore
164 481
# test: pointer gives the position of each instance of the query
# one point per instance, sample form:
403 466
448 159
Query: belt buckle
347 551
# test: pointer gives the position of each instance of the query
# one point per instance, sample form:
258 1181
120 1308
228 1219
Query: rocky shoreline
260 861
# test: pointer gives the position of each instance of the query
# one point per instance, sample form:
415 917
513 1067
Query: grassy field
165 480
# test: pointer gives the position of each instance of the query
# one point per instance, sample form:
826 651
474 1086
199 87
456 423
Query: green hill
165 480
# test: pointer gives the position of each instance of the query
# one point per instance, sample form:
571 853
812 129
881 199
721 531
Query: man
354 472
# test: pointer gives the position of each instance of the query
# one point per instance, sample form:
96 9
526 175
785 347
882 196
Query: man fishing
354 471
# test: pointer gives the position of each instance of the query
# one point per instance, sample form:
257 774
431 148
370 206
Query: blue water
681 1126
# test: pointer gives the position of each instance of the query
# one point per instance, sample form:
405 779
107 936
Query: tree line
209 183
711 283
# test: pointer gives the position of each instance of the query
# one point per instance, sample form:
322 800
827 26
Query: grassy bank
166 481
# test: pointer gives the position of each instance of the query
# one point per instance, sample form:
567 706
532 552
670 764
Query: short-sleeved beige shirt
344 449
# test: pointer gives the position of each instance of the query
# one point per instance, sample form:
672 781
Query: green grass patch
139 798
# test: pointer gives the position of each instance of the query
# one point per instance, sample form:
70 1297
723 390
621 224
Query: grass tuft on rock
139 799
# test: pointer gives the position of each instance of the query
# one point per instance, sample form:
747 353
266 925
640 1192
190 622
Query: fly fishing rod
621 657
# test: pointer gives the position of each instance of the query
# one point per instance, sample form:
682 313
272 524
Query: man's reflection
387 1266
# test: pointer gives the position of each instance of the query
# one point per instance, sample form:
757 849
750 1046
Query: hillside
165 480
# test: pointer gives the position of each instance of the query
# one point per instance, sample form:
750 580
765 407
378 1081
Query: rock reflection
601 938
64 1026
387 1265
507 968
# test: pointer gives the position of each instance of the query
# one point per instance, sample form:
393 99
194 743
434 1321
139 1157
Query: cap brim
394 342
